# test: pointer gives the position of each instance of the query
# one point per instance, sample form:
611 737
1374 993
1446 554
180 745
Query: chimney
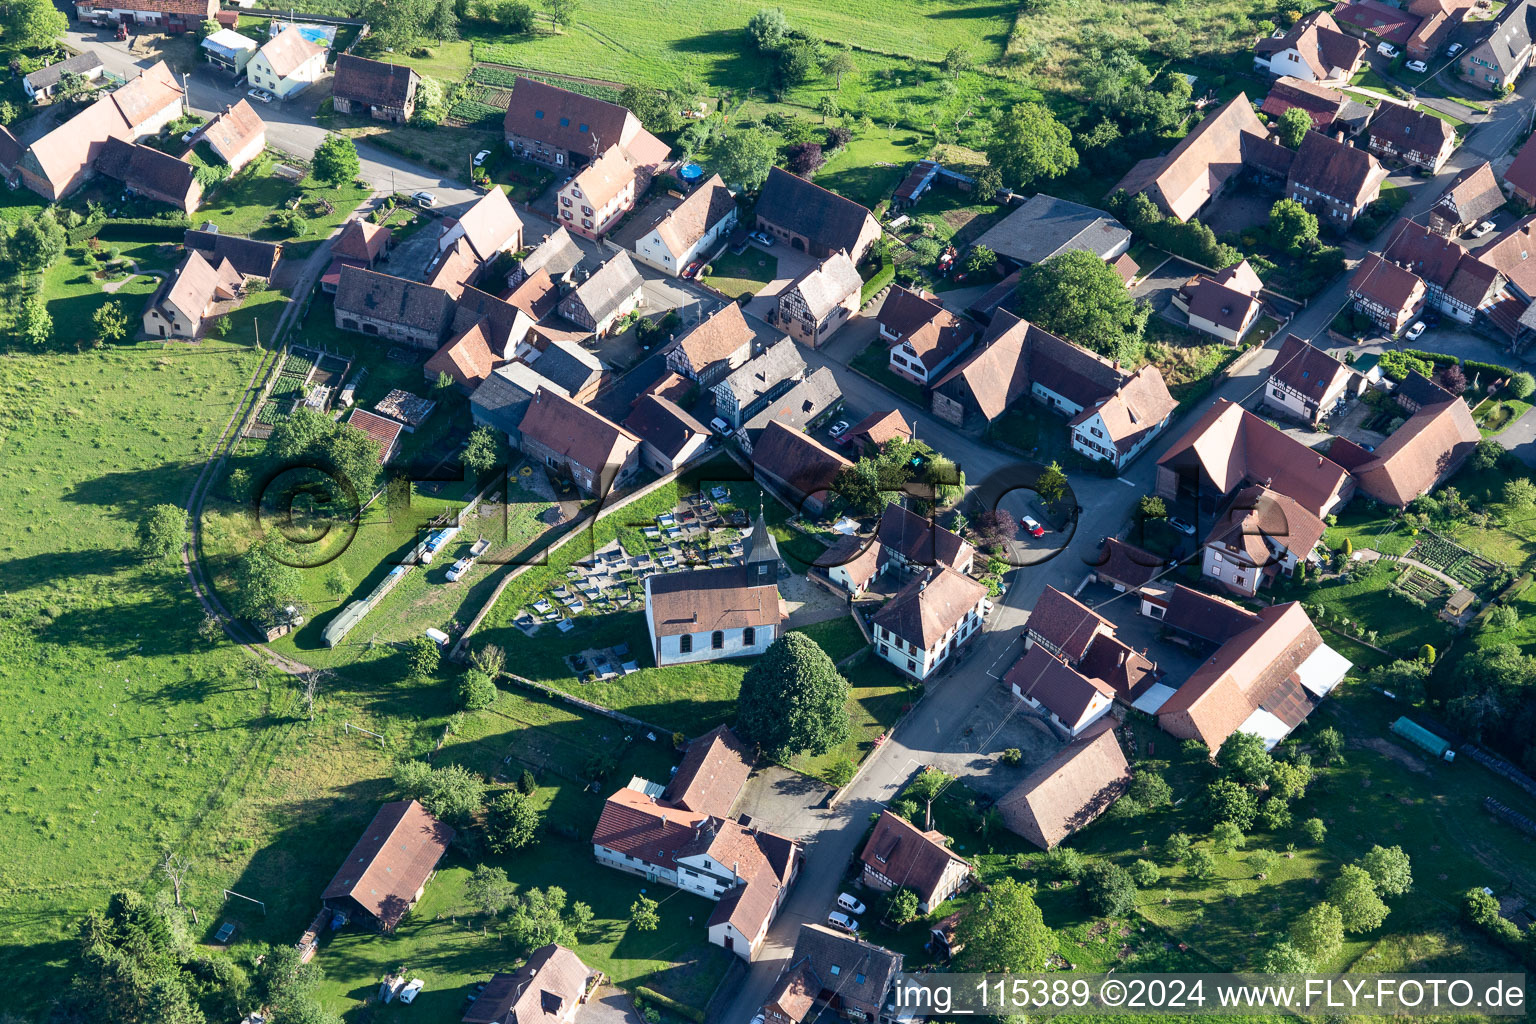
663 820
1319 462
1122 659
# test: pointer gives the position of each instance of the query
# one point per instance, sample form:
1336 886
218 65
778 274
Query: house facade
286 64
1121 426
1224 305
1496 63
392 307
928 622
1385 292
1307 383
1314 49
748 388
182 304
821 300
592 202
900 855
716 346
925 338
372 88
173 17
1262 534
615 290
567 131
1416 138
595 453
709 614
691 230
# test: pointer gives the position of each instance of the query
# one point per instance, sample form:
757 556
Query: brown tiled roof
1473 195
673 387
907 855
714 768
1139 407
1016 353
721 335
577 432
1386 23
393 299
860 972
1408 129
663 425
920 541
803 208
637 826
500 318
1254 670
1127 563
198 283
1306 369
1386 284
1115 664
490 222
1320 42
10 149
382 429
930 606
1521 173
67 151
361 240
604 178
707 205
1070 790
1320 102
1233 446
860 557
149 172
287 51
704 600
1425 450
1220 304
147 96
185 8
373 82
798 459
1335 169
537 295
394 858
566 119
1201 164
931 331
764 860
467 358
1476 283
1426 254
1210 618
1065 623
795 992
249 256
234 130
1065 692
541 991
1257 514
1513 252
880 427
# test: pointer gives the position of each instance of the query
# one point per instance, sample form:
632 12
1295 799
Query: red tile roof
908 856
381 429
1065 623
394 858
714 769
1070 790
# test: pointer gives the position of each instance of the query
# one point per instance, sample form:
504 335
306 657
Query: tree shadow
130 492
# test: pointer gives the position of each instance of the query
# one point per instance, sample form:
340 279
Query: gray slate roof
79 64
569 366
1045 226
557 254
800 404
778 362
606 290
824 217
504 396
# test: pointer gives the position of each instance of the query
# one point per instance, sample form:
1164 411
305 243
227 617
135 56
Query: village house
40 84
60 161
1330 109
503 397
1385 292
1046 226
1102 667
1125 567
851 977
1334 180
392 307
812 219
150 173
1376 21
173 17
899 855
1065 697
237 136
567 131
490 227
797 467
576 371
252 258
1412 136
852 563
1228 448
1119 427
1315 49
690 230
1439 20
287 64
1470 199
228 51
1458 283
549 988
914 543
1066 793
386 872
925 338
1495 63
715 346
557 254
818 302
876 429
198 292
1224 305
372 88
669 437
681 835
616 289
804 407
1520 175
468 358
362 244
574 441
1307 383
748 389
598 195
708 614
387 432
1064 626
929 620
1260 535
1418 456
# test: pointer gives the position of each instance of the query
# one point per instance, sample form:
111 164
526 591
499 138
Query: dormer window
583 127
538 115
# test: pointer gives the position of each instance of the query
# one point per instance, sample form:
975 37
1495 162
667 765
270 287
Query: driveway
781 801
792 263
998 722
610 1005
1158 287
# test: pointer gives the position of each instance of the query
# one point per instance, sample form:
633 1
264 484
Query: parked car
1414 331
839 428
719 426
761 238
225 933
1453 49
457 570
838 919
260 95
692 270
850 904
1418 67
480 157
409 993
1482 229
188 137
1387 50
1032 525
424 198
1181 525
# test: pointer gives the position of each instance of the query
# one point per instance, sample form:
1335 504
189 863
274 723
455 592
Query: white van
437 636
846 901
838 919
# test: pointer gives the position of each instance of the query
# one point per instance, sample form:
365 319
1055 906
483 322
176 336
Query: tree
71 87
745 157
1145 873
1200 864
163 532
1003 932
335 161
1501 618
451 792
1227 837
1109 889
1389 868
643 914
1521 385
1329 744
337 582
903 907
1229 801
979 260
767 29
1284 957
482 452
538 918
1176 848
1487 453
422 655
1077 295
511 822
804 158
354 456
1319 933
1051 484
926 787
656 111
443 23
828 108
1242 757
957 61
300 435
561 12
1315 830
793 699
1288 780
1028 145
32 25
1150 506
799 62
491 660
1293 127
37 241
1292 226
36 325
476 691
264 583
1151 790
282 975
516 17
1519 493
1354 893
839 63
489 890
989 182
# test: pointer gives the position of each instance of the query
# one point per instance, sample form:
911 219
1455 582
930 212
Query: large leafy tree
793 700
1029 145
1243 757
654 109
1109 889
264 582
511 822
1319 933
451 792
1004 931
1293 126
1078 296
162 532
1389 868
32 24
335 161
1292 225
745 157
355 457
767 29
1354 893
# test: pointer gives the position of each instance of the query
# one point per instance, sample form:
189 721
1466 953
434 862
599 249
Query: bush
668 1003
1013 757
1109 889
476 691
1176 848
1145 873
1064 862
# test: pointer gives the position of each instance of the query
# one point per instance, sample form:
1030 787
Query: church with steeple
707 614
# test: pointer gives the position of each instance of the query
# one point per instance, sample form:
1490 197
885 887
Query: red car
692 269
1033 528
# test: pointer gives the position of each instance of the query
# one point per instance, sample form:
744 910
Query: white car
1453 49
457 570
838 919
838 428
848 902
719 426
1414 331
424 198
480 157
1418 67
761 238
260 95
188 137
1482 229
1180 525
1387 50
412 990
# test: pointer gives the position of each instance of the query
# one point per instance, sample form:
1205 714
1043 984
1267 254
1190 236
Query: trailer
458 569
1423 738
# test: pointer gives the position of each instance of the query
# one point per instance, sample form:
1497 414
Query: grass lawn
879 696
744 273
1031 428
1366 528
73 292
448 149
1396 196
875 362
1493 415
870 167
1367 78
840 637
1373 603
244 205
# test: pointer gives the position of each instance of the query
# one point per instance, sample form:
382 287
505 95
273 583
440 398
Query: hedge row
1443 359
882 277
670 1004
